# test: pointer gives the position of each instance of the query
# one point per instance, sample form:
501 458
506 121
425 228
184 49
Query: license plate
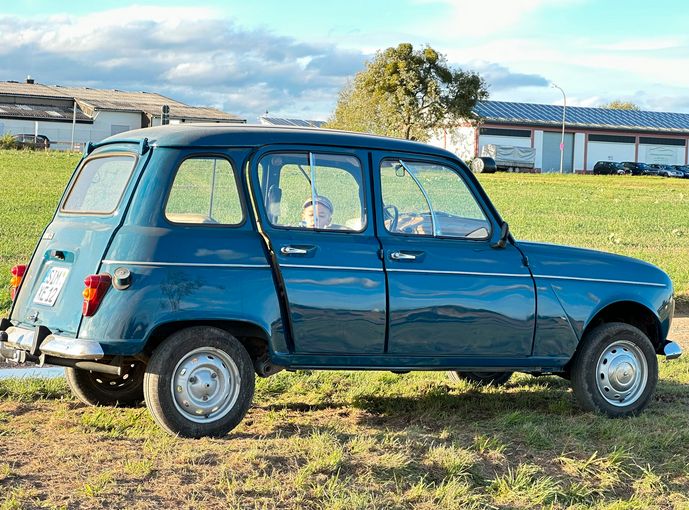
51 286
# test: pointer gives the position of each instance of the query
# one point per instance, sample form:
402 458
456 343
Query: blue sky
292 57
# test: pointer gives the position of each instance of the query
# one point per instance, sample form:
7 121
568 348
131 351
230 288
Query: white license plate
51 286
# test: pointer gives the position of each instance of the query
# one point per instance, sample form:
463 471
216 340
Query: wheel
96 389
199 382
481 378
616 370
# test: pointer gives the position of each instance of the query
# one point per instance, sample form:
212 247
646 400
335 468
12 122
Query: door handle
400 255
291 250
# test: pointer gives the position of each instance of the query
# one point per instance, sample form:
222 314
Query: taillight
16 280
96 287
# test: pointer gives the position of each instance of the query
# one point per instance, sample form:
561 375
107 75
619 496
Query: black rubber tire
481 378
159 373
584 371
97 389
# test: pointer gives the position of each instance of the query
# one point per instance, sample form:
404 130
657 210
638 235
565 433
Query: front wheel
481 378
199 382
616 370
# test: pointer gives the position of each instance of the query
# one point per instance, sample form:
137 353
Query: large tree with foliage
407 93
620 105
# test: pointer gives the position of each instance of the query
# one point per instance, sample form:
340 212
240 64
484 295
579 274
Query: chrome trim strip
71 348
466 273
19 338
184 264
672 350
303 266
600 280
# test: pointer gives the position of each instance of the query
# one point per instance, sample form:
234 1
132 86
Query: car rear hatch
72 246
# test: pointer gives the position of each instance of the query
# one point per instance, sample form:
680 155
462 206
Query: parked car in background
184 260
666 170
608 168
28 141
633 168
684 169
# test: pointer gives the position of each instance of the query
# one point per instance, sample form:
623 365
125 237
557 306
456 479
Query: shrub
7 141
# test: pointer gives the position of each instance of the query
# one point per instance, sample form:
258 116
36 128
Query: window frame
364 183
78 173
238 187
419 159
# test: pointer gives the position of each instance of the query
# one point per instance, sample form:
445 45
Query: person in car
319 215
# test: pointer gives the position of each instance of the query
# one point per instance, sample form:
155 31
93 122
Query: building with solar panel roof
591 135
91 114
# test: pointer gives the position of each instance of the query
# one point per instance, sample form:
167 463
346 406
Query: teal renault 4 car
183 260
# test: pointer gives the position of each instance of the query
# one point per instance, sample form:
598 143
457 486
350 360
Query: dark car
182 261
31 141
635 168
664 170
608 168
684 169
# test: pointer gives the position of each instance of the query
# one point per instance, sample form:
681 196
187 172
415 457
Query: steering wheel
390 212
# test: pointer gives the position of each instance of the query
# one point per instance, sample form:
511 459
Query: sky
291 58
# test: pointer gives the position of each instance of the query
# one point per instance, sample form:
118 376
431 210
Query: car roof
243 135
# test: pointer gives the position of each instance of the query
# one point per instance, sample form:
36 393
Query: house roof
90 100
502 112
280 121
41 112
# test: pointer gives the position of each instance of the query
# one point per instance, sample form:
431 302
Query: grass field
339 440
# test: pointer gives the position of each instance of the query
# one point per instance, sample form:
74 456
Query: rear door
315 209
73 245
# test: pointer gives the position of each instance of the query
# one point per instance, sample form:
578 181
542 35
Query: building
280 121
77 115
591 135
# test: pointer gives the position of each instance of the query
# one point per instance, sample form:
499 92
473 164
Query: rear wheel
199 382
481 378
96 389
616 370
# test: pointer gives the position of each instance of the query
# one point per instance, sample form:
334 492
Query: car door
314 210
450 291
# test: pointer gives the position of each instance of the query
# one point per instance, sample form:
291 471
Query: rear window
100 184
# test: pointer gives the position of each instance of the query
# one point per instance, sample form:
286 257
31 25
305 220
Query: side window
313 191
429 199
204 191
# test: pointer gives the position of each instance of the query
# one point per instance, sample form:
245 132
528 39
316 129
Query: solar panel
278 121
503 111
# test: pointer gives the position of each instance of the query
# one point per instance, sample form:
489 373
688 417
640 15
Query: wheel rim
622 373
205 385
131 378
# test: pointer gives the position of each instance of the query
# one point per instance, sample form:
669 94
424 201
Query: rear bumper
16 343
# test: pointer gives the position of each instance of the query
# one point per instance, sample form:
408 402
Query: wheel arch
629 312
253 337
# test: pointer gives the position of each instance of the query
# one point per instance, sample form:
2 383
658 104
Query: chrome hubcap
205 385
622 373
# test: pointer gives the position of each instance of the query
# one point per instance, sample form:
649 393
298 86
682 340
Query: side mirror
504 234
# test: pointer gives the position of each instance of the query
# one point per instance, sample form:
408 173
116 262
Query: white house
77 115
591 135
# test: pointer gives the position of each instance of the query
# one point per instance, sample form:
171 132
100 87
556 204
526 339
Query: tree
406 93
620 105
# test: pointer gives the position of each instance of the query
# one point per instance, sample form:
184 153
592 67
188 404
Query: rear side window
100 184
205 191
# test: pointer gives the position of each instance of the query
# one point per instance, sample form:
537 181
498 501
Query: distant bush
7 141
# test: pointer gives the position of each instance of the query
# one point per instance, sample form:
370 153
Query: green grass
322 440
